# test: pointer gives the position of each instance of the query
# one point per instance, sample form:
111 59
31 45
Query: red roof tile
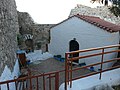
110 27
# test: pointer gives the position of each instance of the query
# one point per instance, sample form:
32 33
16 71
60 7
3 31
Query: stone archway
29 42
73 46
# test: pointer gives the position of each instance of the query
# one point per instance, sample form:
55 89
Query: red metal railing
51 80
68 63
43 81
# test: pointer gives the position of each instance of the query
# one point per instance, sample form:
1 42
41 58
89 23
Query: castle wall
39 32
8 34
102 11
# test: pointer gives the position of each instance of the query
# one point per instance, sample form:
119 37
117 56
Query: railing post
57 81
101 63
37 83
8 88
71 72
30 83
50 81
29 75
66 70
44 82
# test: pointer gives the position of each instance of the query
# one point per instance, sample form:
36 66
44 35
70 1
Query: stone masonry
102 11
25 28
25 23
41 35
8 33
40 32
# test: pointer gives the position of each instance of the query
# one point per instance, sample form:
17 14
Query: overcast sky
49 11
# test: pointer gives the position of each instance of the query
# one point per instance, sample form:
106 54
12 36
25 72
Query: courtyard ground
50 65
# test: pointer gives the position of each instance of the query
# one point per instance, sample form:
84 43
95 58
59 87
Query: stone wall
25 27
8 33
41 35
25 23
40 32
102 11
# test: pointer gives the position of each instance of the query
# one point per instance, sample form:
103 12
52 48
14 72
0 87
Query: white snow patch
8 75
110 78
38 55
16 70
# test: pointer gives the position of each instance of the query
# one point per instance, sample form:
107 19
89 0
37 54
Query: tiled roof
110 27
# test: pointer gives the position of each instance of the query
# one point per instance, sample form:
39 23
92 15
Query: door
29 44
73 46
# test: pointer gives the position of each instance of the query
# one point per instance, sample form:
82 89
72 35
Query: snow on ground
8 75
90 83
38 55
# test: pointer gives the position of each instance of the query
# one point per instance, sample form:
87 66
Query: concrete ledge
109 78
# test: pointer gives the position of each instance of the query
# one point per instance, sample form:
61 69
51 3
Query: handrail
93 73
111 60
28 77
68 69
102 52
91 55
45 76
92 49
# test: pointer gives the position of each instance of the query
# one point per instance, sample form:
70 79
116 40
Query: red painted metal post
30 83
29 74
71 75
23 84
101 68
44 82
50 82
66 70
68 62
37 88
8 86
16 85
57 81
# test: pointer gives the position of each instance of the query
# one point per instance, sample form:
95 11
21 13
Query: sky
49 11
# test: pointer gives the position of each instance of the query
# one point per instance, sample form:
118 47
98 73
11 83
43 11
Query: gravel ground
51 65
46 66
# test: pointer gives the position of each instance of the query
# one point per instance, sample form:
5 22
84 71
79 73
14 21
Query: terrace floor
51 65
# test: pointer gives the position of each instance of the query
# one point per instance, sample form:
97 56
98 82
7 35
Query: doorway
29 44
73 46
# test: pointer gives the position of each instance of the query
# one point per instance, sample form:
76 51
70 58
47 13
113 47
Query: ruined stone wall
102 11
25 22
8 33
25 27
41 35
40 32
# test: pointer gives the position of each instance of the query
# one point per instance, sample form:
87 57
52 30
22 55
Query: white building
89 32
